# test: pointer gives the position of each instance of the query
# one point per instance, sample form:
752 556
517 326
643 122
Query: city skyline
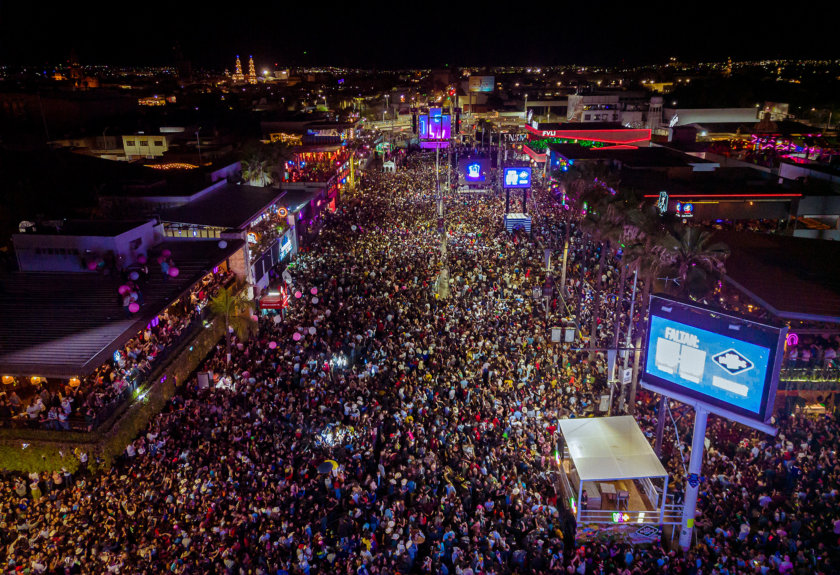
369 37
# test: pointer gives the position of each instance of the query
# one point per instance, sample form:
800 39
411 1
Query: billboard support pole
694 467
660 425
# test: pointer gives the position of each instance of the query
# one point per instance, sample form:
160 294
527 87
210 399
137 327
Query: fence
672 515
810 378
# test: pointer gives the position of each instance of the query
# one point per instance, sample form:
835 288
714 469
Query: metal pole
660 425
694 467
630 319
565 261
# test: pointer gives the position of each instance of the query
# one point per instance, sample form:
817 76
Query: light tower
252 73
237 73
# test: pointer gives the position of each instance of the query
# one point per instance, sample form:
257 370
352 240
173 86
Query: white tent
611 449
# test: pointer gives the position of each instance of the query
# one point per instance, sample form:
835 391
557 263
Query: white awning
608 448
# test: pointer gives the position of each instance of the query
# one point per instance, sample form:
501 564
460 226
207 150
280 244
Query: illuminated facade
238 76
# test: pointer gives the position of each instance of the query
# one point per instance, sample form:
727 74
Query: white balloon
312 331
314 300
328 312
277 319
353 227
222 244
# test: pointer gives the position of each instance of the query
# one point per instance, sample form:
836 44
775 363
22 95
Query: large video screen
440 127
482 83
723 360
423 126
474 171
517 177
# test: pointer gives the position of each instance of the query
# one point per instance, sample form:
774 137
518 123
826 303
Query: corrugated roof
68 324
794 278
230 206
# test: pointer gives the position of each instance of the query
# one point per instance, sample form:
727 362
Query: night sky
385 36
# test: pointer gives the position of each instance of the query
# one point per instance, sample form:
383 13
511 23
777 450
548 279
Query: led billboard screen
440 127
474 171
482 83
722 360
423 126
517 177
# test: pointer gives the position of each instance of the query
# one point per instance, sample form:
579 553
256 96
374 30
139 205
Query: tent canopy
610 448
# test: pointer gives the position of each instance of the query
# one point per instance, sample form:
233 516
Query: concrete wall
796 171
65 253
710 115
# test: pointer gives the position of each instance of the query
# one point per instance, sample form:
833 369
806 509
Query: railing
816 378
672 516
79 422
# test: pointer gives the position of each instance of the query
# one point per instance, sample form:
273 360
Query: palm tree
236 311
695 257
256 170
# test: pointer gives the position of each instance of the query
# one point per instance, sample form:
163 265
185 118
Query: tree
256 170
697 260
236 311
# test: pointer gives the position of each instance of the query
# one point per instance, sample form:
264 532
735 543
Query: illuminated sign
474 171
620 517
517 177
792 339
685 210
724 361
662 203
482 83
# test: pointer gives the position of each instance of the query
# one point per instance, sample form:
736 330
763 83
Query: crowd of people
378 428
80 403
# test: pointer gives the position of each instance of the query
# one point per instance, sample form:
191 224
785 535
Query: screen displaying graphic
440 127
721 360
474 171
423 126
482 83
517 177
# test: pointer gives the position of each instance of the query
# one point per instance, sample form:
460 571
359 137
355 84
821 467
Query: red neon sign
727 195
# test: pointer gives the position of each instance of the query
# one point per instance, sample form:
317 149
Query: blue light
729 370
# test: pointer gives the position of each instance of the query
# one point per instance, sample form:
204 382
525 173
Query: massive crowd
380 429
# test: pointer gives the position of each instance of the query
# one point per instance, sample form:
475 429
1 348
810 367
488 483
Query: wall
790 171
43 252
145 145
710 115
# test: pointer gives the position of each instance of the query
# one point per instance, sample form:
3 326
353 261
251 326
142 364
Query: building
78 245
587 134
147 146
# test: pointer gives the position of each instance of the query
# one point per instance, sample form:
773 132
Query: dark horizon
383 38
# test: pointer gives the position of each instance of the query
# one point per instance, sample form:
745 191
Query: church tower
252 73
237 73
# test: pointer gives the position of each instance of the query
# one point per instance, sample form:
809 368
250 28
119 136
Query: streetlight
198 139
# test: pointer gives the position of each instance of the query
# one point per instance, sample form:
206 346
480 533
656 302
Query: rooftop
610 448
229 206
68 324
793 278
103 228
581 126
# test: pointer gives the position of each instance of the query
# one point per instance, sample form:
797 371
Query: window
586 116
144 143
134 244
37 251
129 142
158 142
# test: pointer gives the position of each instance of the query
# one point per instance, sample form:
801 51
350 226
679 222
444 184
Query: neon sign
473 171
620 517
792 339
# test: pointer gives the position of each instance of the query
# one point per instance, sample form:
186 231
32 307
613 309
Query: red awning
273 302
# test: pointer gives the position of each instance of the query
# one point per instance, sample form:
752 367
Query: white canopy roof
607 448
